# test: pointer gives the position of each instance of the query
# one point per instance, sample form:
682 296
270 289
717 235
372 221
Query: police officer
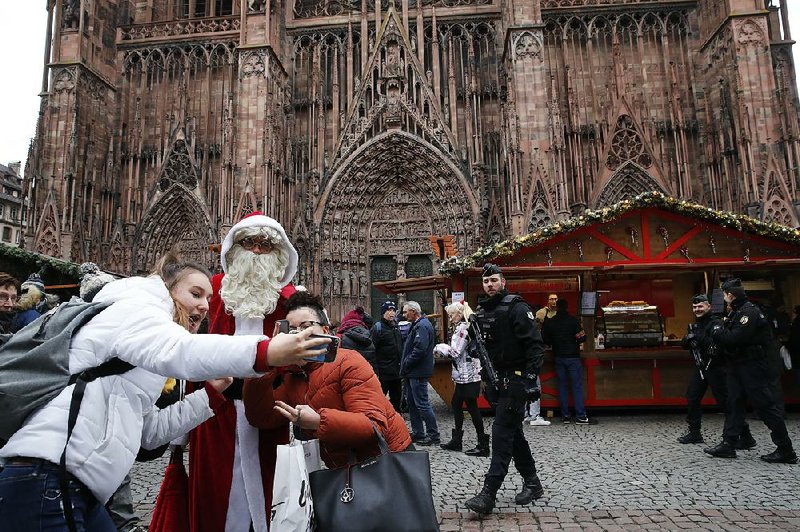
710 372
516 349
752 370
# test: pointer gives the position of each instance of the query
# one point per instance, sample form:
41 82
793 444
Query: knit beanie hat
92 280
388 305
35 281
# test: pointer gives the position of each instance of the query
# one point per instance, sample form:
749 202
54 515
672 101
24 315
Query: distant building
12 207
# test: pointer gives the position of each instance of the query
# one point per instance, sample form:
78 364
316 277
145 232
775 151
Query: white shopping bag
292 507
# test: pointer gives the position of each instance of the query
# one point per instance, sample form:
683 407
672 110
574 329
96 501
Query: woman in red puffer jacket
337 402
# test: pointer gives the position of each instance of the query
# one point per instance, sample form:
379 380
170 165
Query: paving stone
608 476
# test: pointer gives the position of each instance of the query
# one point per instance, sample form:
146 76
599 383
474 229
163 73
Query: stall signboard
457 297
555 285
588 303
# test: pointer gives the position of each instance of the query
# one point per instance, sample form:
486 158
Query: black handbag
390 492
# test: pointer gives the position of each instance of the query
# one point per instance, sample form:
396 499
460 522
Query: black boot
781 455
482 449
692 436
455 443
531 489
723 450
746 440
483 502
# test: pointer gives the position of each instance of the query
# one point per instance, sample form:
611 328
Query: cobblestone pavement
619 473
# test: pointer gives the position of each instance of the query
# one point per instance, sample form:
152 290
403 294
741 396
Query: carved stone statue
256 6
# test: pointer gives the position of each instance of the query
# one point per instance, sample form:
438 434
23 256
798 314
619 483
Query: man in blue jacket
416 367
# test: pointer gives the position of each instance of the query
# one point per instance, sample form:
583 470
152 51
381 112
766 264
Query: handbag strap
382 445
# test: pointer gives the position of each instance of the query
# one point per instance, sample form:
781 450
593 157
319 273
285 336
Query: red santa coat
214 445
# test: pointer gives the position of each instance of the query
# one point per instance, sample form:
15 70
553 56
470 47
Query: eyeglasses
10 299
253 242
305 325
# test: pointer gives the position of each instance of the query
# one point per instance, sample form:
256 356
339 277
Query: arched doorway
380 208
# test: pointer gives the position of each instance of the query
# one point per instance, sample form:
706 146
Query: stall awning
414 284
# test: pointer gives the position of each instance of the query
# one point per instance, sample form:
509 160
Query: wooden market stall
629 271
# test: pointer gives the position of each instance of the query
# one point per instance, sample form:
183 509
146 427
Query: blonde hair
459 306
172 268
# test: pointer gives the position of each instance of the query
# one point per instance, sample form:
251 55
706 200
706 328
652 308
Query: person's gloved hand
532 390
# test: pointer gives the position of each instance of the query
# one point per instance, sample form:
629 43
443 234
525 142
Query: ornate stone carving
178 168
252 64
256 6
627 183
179 28
64 79
527 44
627 145
70 14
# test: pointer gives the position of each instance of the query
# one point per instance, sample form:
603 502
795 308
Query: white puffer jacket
117 414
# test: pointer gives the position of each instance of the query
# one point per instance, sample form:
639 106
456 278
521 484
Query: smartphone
283 326
330 349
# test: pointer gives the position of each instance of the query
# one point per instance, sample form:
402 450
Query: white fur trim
237 519
260 220
251 468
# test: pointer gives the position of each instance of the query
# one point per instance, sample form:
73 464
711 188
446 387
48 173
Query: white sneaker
539 421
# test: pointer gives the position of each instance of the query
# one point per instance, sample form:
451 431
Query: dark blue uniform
753 371
516 349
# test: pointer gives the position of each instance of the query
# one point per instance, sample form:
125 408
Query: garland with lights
29 261
738 222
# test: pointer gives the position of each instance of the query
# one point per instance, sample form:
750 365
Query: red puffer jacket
345 393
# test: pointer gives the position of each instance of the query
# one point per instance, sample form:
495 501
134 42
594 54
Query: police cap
490 269
730 284
699 298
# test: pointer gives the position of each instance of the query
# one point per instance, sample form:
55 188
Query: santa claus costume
231 463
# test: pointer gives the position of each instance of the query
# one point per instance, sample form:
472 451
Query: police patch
743 320
531 316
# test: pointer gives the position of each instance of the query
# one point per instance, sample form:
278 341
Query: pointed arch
627 183
177 219
381 100
247 202
179 166
540 210
48 240
776 208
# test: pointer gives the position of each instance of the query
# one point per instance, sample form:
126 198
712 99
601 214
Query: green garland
738 222
34 262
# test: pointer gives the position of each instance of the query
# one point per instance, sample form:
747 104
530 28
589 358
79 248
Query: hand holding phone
330 349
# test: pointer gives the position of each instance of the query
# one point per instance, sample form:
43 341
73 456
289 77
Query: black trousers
715 377
394 387
508 441
756 380
467 393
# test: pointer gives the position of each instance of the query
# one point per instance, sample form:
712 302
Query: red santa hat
257 219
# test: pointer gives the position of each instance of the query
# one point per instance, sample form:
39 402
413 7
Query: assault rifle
694 347
477 349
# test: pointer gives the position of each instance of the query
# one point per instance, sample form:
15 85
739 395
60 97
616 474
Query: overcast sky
22 30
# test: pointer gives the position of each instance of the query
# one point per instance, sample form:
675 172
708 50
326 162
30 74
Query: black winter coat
358 339
561 332
388 348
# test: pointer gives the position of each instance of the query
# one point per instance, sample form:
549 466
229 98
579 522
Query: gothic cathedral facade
367 126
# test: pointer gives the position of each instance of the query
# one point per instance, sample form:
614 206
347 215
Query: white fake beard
251 287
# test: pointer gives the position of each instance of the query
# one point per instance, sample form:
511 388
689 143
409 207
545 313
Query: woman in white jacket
147 324
467 378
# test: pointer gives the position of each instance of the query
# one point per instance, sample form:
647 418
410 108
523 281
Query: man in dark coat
753 369
388 349
515 347
416 366
564 333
